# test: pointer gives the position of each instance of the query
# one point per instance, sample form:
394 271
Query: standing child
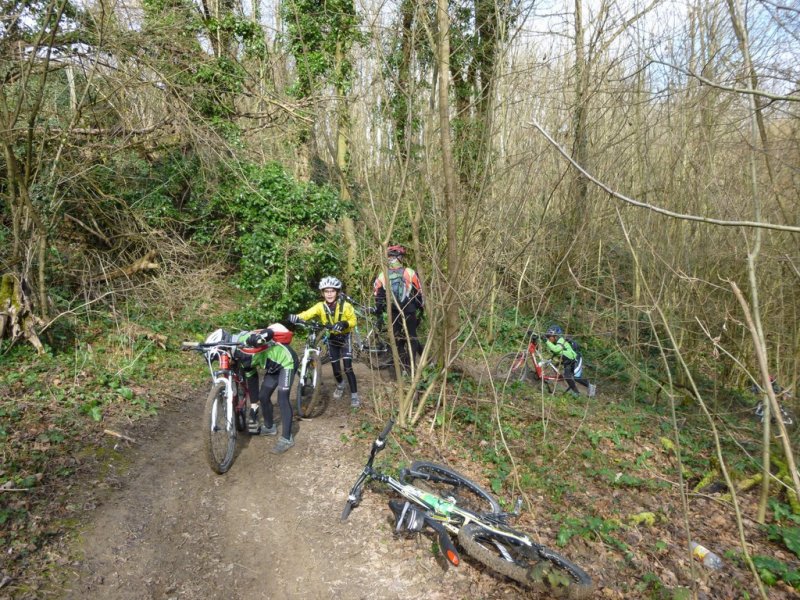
408 303
336 311
571 360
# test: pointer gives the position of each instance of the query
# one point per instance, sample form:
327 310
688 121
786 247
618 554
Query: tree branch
727 88
656 209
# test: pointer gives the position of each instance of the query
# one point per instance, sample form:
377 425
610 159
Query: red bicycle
228 404
529 365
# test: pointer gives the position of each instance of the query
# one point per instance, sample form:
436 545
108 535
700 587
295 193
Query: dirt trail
269 528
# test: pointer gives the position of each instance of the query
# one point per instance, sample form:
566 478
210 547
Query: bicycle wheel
241 410
310 402
376 353
324 356
512 367
447 483
535 567
220 433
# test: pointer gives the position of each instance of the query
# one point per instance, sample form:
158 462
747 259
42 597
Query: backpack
573 343
401 289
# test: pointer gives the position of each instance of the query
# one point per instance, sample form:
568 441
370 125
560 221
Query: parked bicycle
450 504
228 403
310 401
529 364
372 347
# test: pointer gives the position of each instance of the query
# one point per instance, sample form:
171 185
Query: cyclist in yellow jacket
336 311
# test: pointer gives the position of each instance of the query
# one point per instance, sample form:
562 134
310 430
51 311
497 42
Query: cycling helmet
280 333
395 251
330 282
218 336
554 330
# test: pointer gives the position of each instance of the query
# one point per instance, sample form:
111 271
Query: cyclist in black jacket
408 304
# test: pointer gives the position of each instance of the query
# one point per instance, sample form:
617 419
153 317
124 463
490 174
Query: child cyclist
571 360
269 348
336 311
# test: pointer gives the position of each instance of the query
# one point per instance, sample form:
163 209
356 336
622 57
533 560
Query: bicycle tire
446 482
376 353
357 345
537 567
242 411
310 402
220 440
512 367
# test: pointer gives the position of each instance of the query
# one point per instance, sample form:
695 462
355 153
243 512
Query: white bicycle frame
310 348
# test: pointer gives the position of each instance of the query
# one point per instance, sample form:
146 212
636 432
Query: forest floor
156 523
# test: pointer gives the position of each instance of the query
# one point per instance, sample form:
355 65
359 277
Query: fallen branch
119 435
143 264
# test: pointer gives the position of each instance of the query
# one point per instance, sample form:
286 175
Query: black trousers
340 346
408 345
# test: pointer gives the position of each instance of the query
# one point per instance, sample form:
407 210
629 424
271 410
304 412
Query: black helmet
554 330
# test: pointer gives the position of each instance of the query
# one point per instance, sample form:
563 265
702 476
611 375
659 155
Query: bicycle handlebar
202 346
364 308
314 325
385 433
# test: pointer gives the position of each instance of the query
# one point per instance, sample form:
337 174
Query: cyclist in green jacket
336 311
269 349
571 360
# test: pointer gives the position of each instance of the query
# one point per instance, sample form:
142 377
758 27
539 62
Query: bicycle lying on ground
310 401
449 503
228 404
371 348
528 365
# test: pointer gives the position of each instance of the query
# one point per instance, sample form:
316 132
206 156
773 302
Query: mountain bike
228 403
528 365
786 416
371 347
310 401
445 501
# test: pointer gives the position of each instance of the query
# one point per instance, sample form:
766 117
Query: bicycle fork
309 358
410 518
229 419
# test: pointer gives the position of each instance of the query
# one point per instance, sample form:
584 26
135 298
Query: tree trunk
451 284
580 148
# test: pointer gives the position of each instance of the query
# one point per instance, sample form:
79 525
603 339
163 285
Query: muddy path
269 528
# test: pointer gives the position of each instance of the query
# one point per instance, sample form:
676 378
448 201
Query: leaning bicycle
228 403
445 501
310 401
528 365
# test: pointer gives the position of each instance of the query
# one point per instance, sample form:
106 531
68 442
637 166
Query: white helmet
330 282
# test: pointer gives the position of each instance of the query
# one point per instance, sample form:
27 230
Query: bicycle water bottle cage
407 516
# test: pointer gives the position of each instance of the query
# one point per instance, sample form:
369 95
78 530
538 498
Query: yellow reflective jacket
328 315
